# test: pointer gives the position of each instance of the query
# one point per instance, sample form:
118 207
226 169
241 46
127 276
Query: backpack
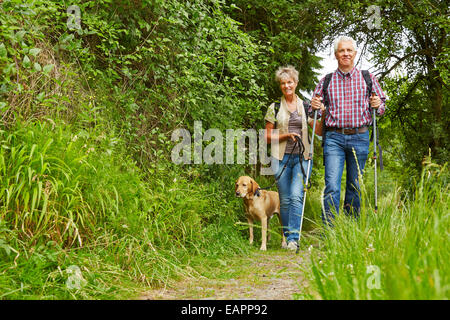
326 83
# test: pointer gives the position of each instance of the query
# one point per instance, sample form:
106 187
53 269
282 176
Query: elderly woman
291 121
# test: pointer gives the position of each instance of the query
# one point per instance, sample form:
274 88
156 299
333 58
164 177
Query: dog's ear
255 186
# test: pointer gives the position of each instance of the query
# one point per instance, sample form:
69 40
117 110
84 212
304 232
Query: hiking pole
310 155
375 152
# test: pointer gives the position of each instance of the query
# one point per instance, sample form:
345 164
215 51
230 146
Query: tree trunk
436 98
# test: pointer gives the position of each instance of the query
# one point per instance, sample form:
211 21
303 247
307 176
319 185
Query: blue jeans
290 190
338 149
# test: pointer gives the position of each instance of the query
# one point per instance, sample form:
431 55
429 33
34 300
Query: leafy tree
409 44
291 33
150 66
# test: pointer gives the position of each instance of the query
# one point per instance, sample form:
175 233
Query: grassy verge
398 253
79 220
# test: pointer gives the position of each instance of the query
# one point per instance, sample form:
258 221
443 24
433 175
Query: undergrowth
398 252
72 200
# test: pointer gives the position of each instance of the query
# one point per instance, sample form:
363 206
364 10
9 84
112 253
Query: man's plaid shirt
349 103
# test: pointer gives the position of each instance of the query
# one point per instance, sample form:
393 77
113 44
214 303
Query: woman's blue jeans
340 149
290 190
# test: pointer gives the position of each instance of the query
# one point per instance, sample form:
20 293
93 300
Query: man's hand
316 103
375 101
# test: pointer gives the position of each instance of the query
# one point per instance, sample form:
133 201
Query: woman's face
288 85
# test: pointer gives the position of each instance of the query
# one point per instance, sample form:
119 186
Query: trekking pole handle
320 97
313 133
314 124
374 116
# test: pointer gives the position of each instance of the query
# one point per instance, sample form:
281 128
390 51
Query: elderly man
347 115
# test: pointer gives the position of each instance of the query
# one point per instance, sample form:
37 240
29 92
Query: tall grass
400 252
40 188
71 198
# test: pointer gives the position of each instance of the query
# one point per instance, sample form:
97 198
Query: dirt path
271 275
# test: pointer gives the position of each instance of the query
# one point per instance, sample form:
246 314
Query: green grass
72 199
400 252
79 220
91 206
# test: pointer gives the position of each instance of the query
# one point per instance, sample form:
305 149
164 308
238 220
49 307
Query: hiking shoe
292 245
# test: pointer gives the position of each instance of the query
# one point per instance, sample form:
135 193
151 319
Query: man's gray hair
287 71
344 38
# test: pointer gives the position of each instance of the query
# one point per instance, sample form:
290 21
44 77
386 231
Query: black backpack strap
380 153
306 105
325 85
377 144
326 102
368 81
276 109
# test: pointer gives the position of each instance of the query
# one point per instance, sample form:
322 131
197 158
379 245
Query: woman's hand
292 135
281 137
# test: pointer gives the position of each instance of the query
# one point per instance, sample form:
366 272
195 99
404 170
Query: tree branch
400 60
405 99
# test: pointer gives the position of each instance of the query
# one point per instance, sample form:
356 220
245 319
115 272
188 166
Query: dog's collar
257 193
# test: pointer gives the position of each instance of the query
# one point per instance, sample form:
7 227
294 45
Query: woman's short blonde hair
286 72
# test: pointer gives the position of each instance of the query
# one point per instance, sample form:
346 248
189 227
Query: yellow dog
260 205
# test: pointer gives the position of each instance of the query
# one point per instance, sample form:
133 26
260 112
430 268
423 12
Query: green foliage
157 65
73 198
290 32
27 63
87 115
52 187
108 93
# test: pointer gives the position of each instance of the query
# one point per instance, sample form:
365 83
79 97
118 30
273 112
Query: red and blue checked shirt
349 102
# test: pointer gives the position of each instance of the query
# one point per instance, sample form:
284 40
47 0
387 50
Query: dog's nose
237 193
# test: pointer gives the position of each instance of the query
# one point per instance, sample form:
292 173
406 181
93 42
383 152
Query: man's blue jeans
290 190
339 149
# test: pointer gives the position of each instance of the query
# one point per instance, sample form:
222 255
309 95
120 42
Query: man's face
345 54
